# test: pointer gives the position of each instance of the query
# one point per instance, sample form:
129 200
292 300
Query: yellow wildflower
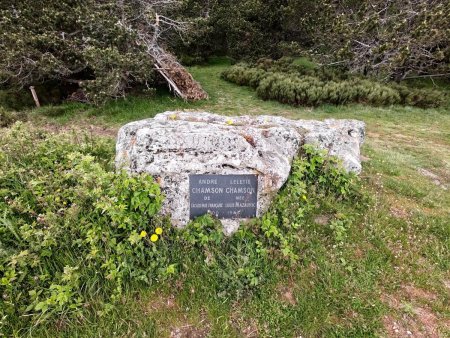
143 234
304 197
158 231
229 121
154 238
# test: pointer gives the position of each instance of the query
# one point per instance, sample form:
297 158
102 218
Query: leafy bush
299 85
82 43
314 176
387 40
244 75
15 99
74 234
237 264
70 226
247 259
7 118
420 97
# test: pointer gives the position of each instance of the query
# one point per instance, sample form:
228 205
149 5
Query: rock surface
174 145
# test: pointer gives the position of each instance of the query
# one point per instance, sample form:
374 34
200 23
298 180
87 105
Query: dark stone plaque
225 196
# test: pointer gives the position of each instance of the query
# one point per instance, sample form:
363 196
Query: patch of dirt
286 292
322 219
61 324
447 283
247 327
421 323
399 212
395 328
188 331
411 205
427 173
416 293
415 317
358 253
433 177
364 158
250 330
287 296
373 135
161 303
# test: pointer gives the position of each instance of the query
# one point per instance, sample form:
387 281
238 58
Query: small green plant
339 227
241 263
237 264
314 176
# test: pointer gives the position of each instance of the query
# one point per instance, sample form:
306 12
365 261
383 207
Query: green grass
305 62
336 290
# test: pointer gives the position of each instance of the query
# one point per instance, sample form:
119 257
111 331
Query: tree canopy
104 45
389 39
108 46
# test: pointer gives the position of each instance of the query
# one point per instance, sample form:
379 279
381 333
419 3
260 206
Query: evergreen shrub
299 85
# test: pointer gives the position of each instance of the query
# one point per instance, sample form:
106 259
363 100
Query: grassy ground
390 277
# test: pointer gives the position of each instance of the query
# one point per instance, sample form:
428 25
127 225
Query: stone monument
231 167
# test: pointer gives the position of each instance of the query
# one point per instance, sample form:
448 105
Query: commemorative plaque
224 196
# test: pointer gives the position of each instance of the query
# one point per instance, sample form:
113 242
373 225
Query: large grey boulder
174 145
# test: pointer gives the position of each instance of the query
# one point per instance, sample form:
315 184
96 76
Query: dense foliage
240 29
391 39
8 118
103 46
68 224
300 85
106 47
74 234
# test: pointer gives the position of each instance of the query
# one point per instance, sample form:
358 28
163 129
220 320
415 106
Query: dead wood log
177 77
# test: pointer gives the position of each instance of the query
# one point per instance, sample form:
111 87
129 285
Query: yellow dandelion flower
304 197
154 238
143 234
158 231
229 121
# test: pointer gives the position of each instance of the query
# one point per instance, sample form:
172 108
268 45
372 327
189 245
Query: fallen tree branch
172 84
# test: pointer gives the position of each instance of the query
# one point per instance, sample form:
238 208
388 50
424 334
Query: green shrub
237 264
244 75
7 118
12 99
240 264
314 176
70 226
300 85
420 97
